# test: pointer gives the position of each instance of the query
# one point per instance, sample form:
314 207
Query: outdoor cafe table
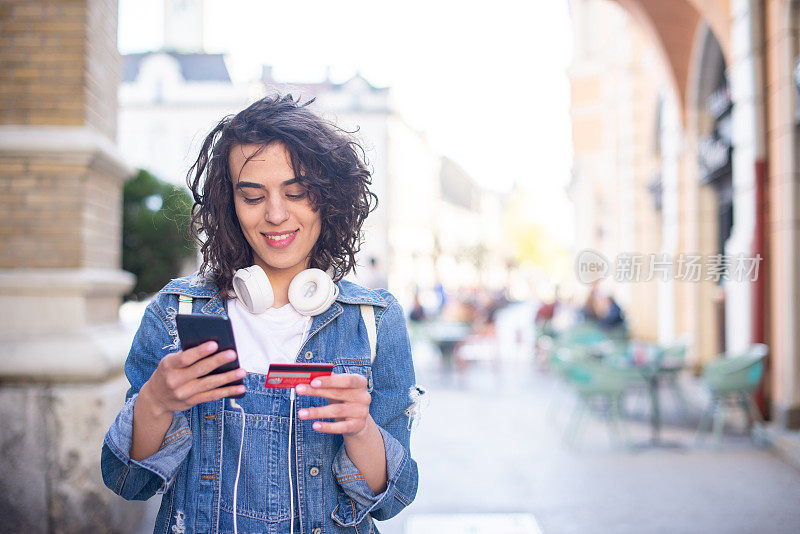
647 360
446 335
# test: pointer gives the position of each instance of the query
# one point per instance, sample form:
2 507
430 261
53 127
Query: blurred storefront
684 132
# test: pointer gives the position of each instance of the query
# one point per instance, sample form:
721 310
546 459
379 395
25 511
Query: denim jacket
196 464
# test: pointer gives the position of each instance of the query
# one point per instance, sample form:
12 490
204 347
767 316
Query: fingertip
232 391
211 346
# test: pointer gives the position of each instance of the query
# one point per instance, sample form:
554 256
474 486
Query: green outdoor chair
618 334
732 378
561 359
570 344
574 345
583 335
595 382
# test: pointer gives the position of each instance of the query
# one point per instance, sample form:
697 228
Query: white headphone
311 291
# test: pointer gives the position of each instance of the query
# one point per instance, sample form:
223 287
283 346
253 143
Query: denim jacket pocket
357 366
263 480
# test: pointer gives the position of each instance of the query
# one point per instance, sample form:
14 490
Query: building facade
688 150
170 98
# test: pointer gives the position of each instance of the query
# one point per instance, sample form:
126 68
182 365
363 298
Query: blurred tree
531 239
155 237
533 243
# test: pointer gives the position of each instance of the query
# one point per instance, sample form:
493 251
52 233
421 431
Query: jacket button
316 531
314 471
309 355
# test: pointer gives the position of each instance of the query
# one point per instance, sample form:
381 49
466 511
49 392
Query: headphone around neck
311 291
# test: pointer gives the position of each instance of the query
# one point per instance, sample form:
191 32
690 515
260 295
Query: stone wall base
50 438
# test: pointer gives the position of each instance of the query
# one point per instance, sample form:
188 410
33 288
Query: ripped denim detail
173 330
419 399
180 523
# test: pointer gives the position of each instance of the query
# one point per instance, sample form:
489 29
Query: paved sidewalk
486 445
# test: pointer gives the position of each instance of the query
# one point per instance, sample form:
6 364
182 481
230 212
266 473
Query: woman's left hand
348 400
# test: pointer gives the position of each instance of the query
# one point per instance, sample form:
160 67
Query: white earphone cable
292 397
289 454
238 466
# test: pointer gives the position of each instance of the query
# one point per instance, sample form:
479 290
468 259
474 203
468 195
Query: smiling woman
279 137
274 210
279 200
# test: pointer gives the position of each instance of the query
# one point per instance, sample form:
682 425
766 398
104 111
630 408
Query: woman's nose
276 210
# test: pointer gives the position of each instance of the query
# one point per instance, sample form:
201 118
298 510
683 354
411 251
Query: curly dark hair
326 160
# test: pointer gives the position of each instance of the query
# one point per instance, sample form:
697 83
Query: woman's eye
296 196
252 200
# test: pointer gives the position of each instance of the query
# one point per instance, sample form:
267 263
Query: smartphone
194 330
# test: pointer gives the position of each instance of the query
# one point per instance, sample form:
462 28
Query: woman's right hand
180 382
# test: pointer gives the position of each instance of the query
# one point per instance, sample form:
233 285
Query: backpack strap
368 314
184 305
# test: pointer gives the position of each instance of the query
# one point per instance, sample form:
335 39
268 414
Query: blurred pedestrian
441 295
601 309
417 311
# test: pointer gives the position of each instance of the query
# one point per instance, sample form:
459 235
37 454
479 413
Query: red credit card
288 375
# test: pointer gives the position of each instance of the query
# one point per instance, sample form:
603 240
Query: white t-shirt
274 336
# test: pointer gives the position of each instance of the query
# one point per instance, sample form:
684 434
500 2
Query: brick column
61 347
